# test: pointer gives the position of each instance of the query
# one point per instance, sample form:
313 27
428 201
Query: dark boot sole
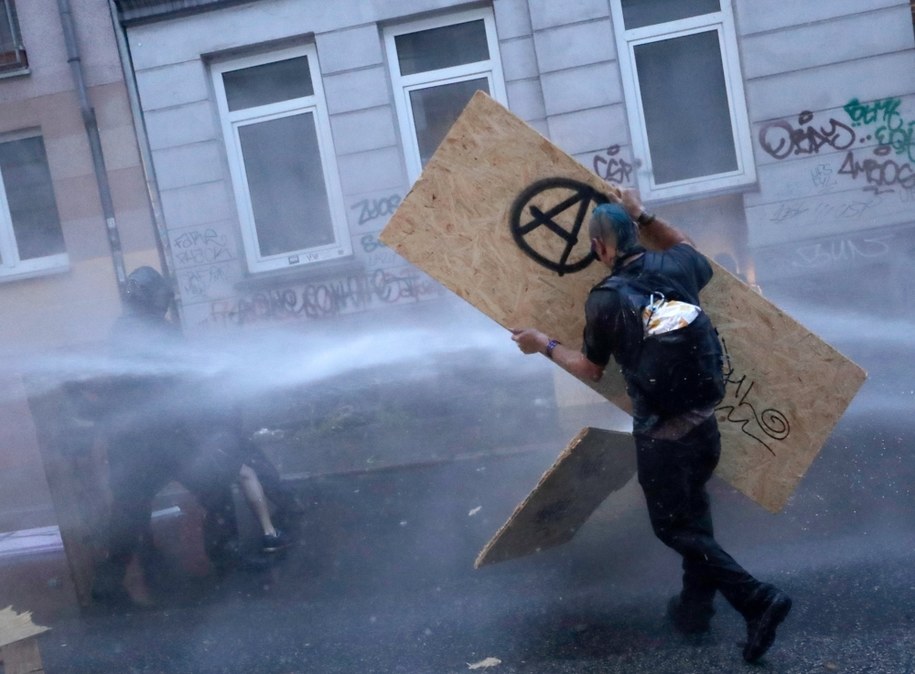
764 635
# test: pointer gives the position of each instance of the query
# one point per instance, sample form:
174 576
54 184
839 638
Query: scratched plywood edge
822 383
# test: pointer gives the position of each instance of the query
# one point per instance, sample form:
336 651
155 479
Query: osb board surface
787 388
594 464
22 657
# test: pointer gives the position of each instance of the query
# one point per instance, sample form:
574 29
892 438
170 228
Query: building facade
779 137
74 212
261 146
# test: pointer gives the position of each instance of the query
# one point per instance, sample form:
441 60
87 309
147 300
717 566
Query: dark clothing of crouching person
676 454
156 434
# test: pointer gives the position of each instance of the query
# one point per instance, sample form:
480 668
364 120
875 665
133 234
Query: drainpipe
149 172
95 143
163 246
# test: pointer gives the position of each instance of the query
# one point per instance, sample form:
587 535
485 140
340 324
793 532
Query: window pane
686 107
12 54
638 13
442 47
435 109
7 34
286 184
30 194
268 83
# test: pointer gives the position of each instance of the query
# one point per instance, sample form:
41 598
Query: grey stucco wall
805 65
562 75
185 136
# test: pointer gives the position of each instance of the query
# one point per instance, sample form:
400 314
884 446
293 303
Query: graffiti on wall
327 298
376 254
843 209
829 253
891 129
371 209
613 168
834 253
886 165
200 246
208 268
782 139
201 282
879 173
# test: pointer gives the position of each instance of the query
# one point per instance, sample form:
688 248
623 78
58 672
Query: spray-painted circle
583 195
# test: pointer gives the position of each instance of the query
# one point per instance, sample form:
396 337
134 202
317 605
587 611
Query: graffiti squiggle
738 408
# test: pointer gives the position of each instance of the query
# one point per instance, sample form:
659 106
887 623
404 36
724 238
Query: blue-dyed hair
612 220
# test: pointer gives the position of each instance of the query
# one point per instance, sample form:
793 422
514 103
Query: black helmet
148 292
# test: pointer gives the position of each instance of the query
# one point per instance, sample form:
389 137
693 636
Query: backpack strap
632 299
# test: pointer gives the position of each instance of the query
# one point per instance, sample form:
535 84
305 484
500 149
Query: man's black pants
673 474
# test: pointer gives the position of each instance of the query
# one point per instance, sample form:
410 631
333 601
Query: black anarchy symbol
582 195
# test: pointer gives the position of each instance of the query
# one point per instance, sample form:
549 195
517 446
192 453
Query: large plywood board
480 213
595 464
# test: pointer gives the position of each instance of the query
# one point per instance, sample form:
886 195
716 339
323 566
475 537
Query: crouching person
150 439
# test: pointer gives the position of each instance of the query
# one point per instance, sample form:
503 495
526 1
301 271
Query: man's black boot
688 619
764 621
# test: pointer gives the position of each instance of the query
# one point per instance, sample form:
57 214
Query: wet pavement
380 579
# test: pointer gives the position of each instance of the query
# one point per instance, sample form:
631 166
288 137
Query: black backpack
674 371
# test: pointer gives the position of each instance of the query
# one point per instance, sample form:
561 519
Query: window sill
10 276
659 197
17 72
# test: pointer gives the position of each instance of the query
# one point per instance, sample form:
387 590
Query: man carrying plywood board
653 295
497 217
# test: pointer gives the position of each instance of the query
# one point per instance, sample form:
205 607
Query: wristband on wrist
549 348
645 218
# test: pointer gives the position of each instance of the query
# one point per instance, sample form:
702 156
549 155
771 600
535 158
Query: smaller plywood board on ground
497 195
17 626
19 650
595 464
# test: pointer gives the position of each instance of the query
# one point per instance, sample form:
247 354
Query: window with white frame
437 65
12 52
31 240
281 158
684 95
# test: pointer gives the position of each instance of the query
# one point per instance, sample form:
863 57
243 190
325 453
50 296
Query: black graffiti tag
582 197
612 168
739 408
780 139
881 175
